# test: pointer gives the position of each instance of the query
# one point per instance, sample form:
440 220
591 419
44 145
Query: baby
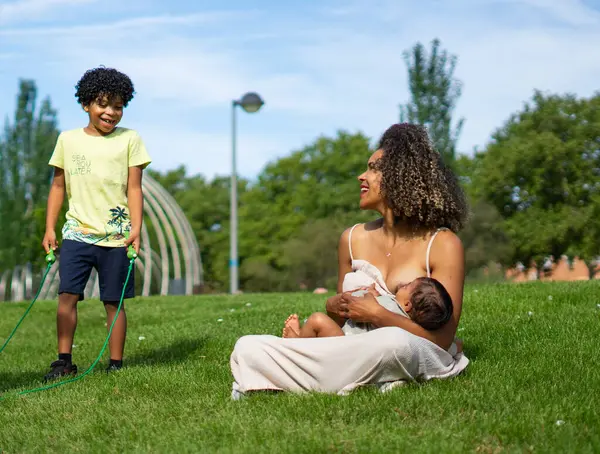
424 300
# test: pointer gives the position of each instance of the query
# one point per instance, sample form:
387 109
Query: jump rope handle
50 257
131 254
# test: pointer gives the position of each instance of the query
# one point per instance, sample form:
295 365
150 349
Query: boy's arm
56 198
135 200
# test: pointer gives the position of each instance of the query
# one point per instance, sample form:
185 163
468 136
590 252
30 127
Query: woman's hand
372 290
333 305
359 308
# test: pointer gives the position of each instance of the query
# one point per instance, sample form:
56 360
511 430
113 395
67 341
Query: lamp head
251 102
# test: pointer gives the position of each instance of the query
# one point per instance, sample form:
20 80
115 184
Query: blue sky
320 66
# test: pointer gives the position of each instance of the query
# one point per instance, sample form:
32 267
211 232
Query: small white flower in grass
530 313
248 304
141 338
219 319
476 291
598 306
231 310
461 329
549 297
74 346
560 422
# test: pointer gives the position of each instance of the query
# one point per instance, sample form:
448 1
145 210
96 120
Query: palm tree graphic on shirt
118 220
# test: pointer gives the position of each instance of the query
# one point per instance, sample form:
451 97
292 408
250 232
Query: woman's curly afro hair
420 189
103 81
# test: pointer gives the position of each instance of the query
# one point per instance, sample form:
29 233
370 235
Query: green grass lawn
533 383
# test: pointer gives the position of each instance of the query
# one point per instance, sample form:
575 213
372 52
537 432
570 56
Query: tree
317 182
434 93
542 173
484 238
206 206
588 245
25 149
310 257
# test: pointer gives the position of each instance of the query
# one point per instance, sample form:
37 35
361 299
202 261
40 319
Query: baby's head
426 302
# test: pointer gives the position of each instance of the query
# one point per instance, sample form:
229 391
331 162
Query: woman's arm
447 262
344 267
344 260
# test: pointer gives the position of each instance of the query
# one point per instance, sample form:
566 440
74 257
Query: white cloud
344 71
17 11
572 12
207 153
173 65
501 62
202 78
569 12
127 26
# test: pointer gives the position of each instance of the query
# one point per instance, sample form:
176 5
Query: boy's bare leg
317 325
66 321
116 344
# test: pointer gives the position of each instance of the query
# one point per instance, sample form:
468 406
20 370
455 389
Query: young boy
425 301
100 168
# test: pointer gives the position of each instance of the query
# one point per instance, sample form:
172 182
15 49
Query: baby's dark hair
99 82
431 304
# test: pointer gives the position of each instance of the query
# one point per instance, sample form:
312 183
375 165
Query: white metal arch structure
169 260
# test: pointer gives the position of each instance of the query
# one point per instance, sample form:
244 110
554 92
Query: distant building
563 270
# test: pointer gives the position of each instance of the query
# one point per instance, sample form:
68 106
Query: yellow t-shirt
96 174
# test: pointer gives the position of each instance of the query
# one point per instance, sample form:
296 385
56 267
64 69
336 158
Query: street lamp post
250 102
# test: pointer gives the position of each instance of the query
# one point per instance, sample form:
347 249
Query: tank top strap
350 241
429 249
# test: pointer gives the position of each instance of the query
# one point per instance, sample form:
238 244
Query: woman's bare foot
291 327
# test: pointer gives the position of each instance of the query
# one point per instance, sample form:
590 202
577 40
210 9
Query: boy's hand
49 241
134 239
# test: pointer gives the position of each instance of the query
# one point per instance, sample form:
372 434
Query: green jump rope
50 259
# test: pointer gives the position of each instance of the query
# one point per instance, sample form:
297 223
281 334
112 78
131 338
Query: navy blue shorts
75 266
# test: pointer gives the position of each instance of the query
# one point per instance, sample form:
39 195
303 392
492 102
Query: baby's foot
291 327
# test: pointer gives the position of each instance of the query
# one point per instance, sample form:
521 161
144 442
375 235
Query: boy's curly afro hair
416 184
103 81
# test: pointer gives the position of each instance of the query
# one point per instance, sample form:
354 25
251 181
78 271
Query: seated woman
422 207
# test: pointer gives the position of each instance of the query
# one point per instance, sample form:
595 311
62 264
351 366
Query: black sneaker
60 368
113 368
